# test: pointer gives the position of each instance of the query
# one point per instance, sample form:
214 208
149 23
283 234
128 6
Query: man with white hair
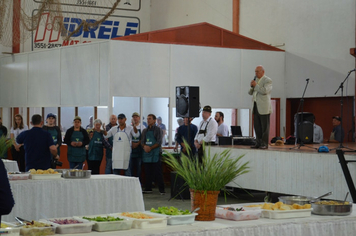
261 87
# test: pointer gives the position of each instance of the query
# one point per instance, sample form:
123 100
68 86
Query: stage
301 171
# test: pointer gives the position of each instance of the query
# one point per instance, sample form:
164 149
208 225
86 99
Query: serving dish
290 200
177 219
76 174
18 175
157 221
285 214
10 230
84 226
103 226
333 209
246 214
45 176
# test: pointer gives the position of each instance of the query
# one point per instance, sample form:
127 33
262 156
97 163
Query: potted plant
4 145
206 179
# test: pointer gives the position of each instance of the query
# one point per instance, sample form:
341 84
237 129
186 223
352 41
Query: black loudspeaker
178 188
187 101
308 127
308 132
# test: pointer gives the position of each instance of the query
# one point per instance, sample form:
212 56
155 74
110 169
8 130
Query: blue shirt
183 133
339 133
36 143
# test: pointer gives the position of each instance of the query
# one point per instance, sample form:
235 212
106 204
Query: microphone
254 80
307 80
352 70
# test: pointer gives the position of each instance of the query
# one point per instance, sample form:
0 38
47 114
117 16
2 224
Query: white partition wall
139 69
44 78
91 74
13 80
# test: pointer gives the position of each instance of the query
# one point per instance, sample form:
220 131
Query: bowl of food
77 174
290 200
332 208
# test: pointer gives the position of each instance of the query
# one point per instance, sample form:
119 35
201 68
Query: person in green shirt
76 138
56 135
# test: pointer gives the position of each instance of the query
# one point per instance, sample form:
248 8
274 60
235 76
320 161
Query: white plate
9 231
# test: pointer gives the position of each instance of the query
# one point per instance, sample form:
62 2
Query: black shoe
264 147
147 191
255 147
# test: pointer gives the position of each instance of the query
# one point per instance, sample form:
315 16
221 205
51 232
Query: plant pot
207 203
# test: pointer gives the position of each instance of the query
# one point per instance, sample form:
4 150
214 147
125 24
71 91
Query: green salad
170 211
103 219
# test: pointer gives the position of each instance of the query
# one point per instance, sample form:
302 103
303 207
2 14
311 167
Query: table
10 165
101 194
309 226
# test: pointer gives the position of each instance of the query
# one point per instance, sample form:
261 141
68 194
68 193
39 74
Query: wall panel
13 80
80 75
44 79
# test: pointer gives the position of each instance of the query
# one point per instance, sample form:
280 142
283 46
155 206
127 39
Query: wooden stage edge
349 148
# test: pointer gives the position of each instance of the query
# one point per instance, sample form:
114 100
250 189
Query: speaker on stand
187 105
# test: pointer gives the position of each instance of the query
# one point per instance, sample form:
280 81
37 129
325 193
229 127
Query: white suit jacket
263 96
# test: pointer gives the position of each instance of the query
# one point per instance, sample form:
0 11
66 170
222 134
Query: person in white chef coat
122 137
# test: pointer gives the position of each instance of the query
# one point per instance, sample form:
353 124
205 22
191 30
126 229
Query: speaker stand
341 107
301 105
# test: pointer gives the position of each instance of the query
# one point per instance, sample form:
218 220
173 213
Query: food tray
280 214
247 214
34 231
84 227
110 225
159 221
19 176
9 231
77 174
177 219
45 176
332 210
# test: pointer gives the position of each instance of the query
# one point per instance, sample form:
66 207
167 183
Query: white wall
173 13
317 36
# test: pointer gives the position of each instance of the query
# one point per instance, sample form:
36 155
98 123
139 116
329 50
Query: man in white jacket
261 87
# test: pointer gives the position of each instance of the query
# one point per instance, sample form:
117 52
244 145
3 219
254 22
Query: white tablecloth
309 226
10 165
101 194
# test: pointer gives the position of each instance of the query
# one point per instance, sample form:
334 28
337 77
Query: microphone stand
301 105
341 108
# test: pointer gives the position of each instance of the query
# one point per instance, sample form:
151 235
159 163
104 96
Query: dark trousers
94 166
19 156
135 164
261 125
153 172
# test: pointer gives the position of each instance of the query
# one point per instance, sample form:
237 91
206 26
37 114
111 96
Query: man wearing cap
337 135
108 167
207 131
151 141
136 153
56 135
122 137
76 139
163 128
260 90
38 144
